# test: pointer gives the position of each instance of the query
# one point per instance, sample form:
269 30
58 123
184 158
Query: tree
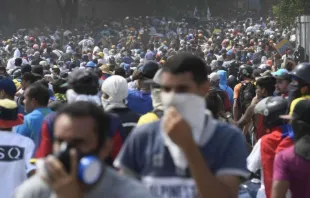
288 10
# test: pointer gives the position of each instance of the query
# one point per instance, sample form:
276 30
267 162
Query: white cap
214 77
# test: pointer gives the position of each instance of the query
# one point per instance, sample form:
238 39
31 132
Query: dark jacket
128 118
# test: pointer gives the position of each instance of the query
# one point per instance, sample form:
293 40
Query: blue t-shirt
33 124
139 102
145 154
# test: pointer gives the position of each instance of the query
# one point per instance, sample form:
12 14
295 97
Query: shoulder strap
158 113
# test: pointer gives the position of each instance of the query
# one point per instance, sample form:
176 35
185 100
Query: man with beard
283 81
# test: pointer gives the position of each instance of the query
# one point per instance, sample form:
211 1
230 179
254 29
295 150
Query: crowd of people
151 107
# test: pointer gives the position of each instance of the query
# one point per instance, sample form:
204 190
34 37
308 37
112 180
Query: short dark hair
87 109
186 62
39 92
267 82
58 86
56 70
37 69
120 71
29 77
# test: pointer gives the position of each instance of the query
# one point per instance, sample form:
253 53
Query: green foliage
288 10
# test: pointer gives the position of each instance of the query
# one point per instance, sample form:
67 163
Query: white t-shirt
15 154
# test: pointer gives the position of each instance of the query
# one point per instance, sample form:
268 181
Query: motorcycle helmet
302 71
272 108
245 71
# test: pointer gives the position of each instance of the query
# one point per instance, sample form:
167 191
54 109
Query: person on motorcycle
299 88
266 148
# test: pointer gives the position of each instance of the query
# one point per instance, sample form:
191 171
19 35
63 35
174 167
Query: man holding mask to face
187 153
76 169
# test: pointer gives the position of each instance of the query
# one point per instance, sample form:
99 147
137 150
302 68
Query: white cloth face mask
192 108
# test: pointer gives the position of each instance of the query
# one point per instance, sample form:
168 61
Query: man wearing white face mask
187 153
114 94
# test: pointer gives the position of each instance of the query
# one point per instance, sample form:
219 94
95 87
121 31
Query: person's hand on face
177 129
64 184
255 100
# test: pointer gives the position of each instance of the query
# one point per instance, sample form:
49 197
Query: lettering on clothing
180 172
170 187
11 153
158 160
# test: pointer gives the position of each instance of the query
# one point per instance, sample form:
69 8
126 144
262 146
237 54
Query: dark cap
149 69
8 86
83 81
37 69
25 69
301 112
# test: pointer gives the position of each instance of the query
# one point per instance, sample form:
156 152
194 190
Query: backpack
246 94
215 102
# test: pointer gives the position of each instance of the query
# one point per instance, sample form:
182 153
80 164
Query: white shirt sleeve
254 159
28 155
10 64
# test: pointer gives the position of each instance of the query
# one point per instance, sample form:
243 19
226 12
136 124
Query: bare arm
209 186
279 189
246 118
235 110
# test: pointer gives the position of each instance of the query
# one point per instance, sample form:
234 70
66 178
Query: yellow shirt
147 118
17 84
294 102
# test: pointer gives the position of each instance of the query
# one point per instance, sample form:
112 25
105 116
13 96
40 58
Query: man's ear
33 102
105 151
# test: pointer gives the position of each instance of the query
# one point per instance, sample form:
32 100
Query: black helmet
232 81
272 108
302 71
245 70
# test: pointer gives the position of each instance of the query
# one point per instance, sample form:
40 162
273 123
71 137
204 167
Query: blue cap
8 86
230 52
89 170
280 72
91 64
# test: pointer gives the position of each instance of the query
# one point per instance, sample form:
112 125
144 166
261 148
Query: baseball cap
9 116
301 112
82 79
25 69
105 69
8 86
149 69
91 64
214 77
101 54
281 74
149 55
